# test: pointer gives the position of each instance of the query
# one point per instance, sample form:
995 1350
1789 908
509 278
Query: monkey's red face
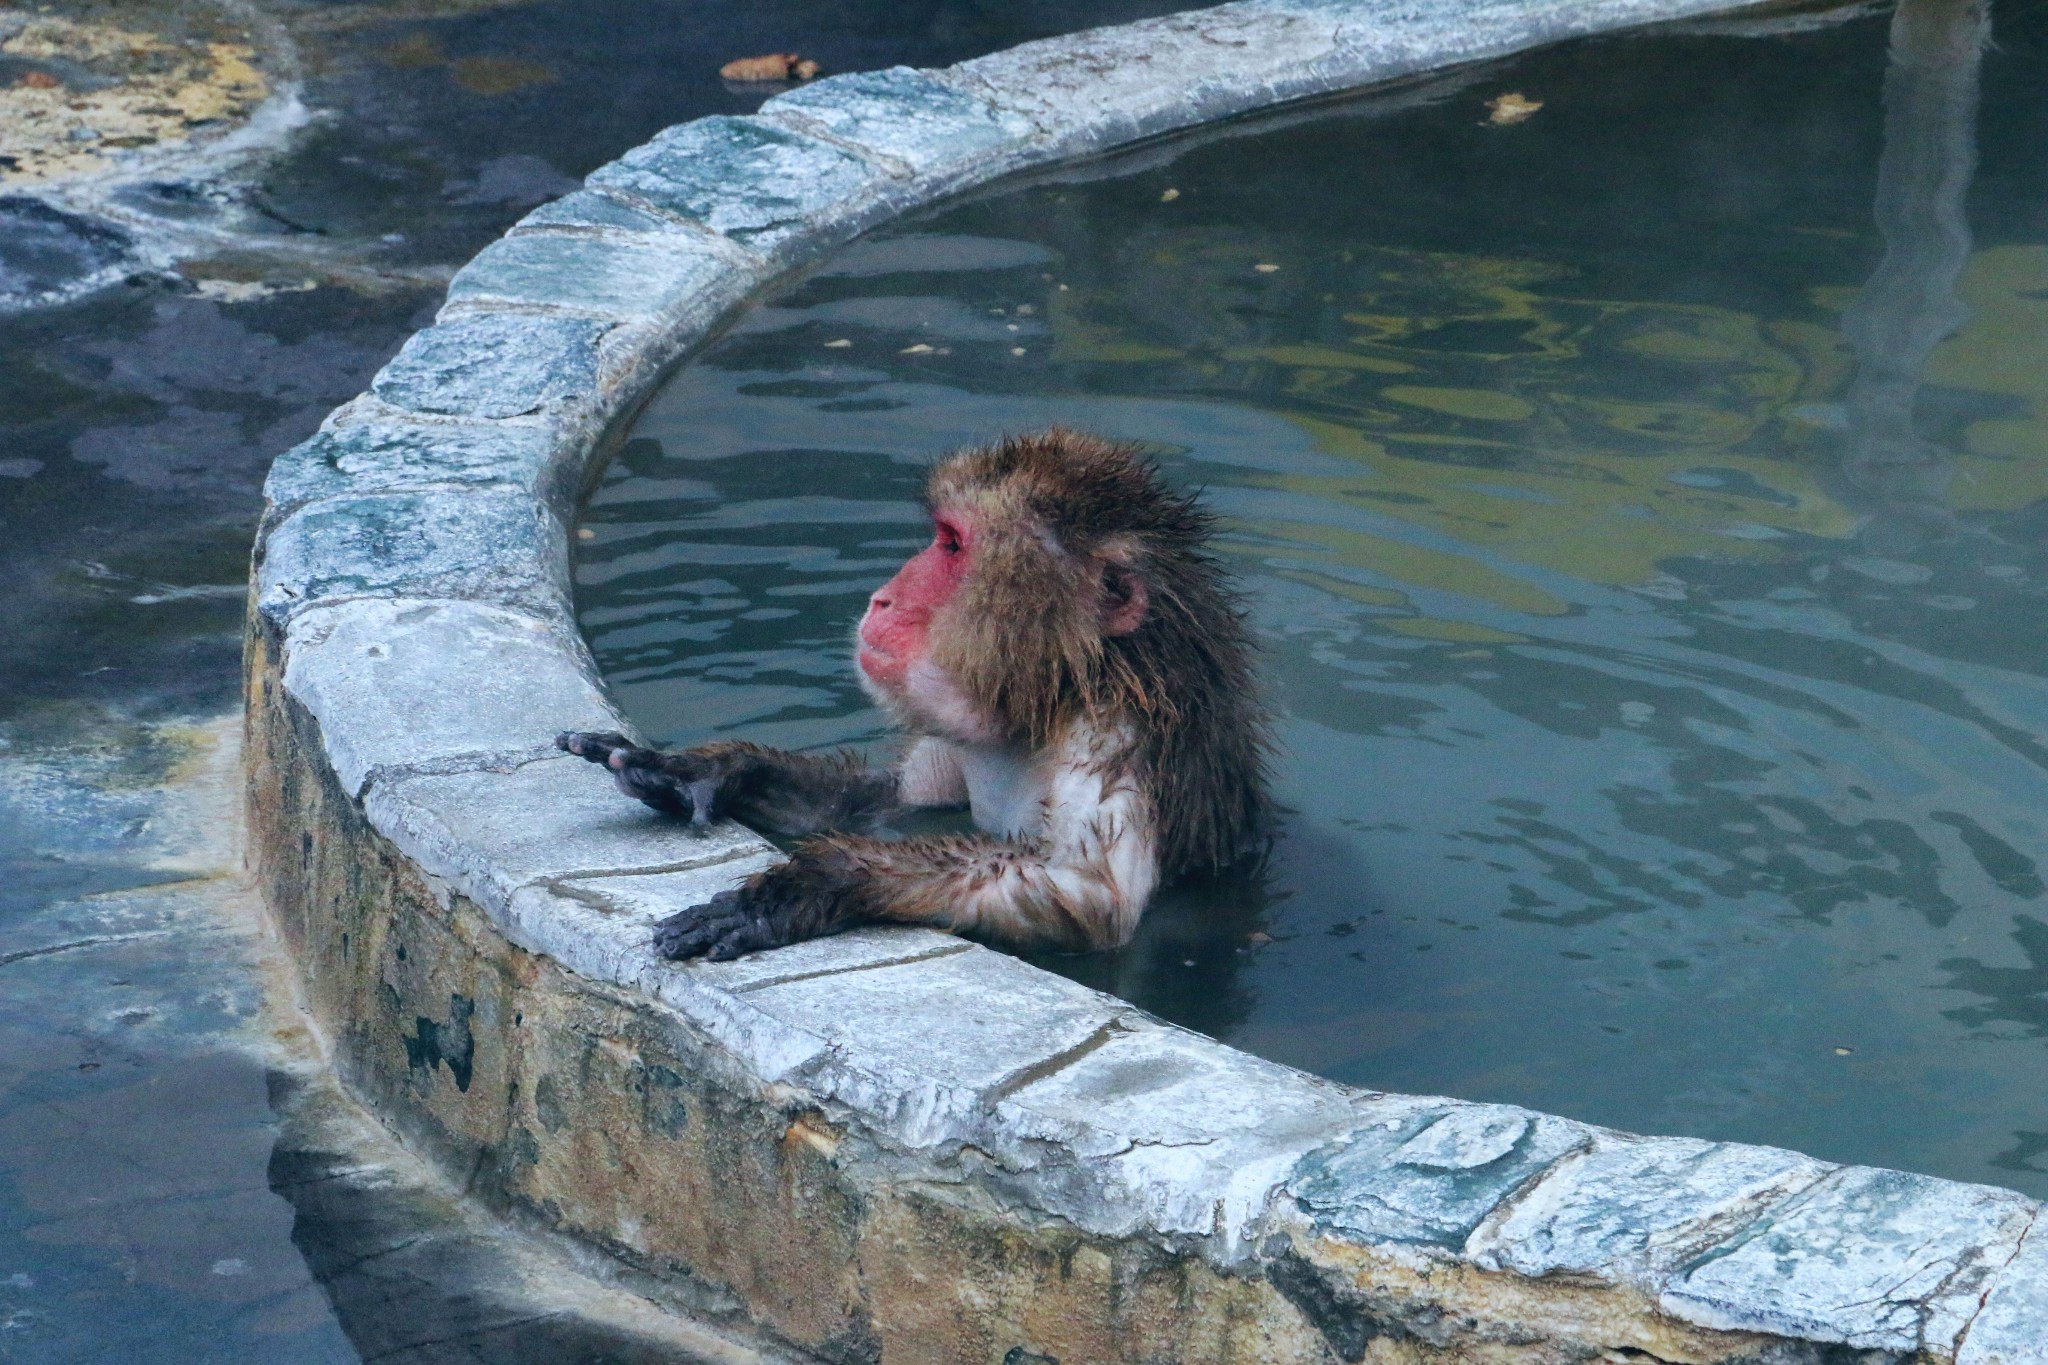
895 634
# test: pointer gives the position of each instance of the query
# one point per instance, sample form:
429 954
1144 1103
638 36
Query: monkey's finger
740 932
693 932
674 937
595 745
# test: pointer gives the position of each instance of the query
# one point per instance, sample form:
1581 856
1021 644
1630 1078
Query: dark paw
637 773
721 929
646 775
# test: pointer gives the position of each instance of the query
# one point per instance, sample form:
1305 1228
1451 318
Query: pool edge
779 1138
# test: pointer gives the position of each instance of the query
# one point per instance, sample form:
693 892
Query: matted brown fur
1024 639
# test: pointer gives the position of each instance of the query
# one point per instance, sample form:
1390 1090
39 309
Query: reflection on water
1644 510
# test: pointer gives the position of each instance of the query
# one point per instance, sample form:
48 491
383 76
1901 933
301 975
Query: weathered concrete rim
442 874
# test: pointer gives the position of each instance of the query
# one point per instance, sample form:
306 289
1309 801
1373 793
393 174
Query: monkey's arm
772 790
1082 886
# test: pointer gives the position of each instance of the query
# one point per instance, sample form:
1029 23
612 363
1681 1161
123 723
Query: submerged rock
48 255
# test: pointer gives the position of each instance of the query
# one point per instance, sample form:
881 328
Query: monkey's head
1063 577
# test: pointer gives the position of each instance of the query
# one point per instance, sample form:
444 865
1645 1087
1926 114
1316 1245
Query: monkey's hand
692 785
815 893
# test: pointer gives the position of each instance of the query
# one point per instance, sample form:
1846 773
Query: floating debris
1513 107
1265 267
48 255
839 344
1169 196
773 66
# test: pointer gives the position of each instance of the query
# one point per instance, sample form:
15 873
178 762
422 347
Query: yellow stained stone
162 93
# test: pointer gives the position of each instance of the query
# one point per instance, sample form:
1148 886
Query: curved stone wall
894 1145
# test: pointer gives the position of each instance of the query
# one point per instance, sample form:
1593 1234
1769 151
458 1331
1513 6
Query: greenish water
1652 586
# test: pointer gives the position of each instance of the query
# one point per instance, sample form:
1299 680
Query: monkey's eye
947 538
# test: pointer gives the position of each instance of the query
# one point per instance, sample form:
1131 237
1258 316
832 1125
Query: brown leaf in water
1513 107
500 75
773 66
39 80
415 53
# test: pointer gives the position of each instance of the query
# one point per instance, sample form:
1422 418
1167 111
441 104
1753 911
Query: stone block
857 950
644 897
2012 1327
1093 90
889 1060
745 178
494 365
1876 1260
1637 1209
494 544
374 452
561 921
589 209
574 922
671 275
935 131
1430 1171
556 820
401 684
1174 1131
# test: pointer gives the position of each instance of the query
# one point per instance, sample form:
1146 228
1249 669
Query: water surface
1643 510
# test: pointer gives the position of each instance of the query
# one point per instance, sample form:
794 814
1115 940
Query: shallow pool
1643 504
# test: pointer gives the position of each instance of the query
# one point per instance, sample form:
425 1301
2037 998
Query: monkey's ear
1125 599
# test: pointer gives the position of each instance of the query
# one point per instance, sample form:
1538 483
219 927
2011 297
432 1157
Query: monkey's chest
1005 791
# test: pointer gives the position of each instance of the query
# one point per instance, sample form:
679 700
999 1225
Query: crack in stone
1991 1280
741 254
794 121
931 954
1520 1194
1051 1066
1750 1230
469 761
557 881
498 304
281 512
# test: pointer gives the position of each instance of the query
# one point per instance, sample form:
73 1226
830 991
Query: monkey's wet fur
1070 663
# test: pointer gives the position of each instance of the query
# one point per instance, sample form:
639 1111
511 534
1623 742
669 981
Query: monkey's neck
1005 790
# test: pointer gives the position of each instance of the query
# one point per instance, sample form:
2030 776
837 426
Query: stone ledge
893 1144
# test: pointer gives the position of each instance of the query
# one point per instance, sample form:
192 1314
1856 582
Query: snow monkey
1072 665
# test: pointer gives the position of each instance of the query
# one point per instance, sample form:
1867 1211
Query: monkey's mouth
875 661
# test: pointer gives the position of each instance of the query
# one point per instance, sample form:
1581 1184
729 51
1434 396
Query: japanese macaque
1072 665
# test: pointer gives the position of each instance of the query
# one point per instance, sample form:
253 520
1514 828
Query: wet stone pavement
215 226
